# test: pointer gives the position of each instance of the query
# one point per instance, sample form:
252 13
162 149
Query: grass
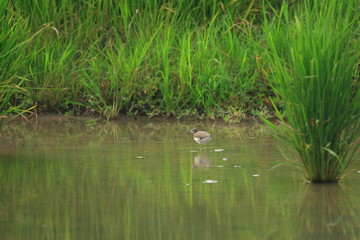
13 59
313 60
148 57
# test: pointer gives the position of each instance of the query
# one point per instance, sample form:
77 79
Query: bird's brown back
202 134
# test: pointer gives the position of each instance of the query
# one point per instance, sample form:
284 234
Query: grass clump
313 60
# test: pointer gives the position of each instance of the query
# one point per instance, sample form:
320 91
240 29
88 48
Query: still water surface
64 178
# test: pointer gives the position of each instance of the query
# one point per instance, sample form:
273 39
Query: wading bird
201 137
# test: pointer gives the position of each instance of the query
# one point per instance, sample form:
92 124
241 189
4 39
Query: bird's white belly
202 140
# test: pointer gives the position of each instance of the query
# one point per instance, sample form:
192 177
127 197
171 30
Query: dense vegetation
198 58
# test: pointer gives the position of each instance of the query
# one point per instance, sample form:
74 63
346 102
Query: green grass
13 58
195 58
144 57
313 60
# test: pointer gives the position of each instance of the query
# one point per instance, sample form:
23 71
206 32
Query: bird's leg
203 148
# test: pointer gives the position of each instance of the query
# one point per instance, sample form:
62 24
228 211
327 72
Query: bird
201 137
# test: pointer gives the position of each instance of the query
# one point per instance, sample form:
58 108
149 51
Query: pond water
68 178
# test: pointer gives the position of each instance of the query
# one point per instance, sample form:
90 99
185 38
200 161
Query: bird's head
194 130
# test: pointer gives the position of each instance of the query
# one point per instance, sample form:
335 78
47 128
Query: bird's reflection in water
202 160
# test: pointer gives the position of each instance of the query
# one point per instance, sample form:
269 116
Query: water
64 178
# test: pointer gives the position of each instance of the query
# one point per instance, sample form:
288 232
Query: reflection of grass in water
118 131
327 213
313 63
88 203
77 185
78 182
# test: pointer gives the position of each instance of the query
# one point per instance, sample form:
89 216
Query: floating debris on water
256 175
193 151
220 165
139 157
237 166
358 171
187 184
218 150
210 181
225 159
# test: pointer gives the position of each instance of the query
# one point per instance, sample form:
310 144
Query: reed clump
313 60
